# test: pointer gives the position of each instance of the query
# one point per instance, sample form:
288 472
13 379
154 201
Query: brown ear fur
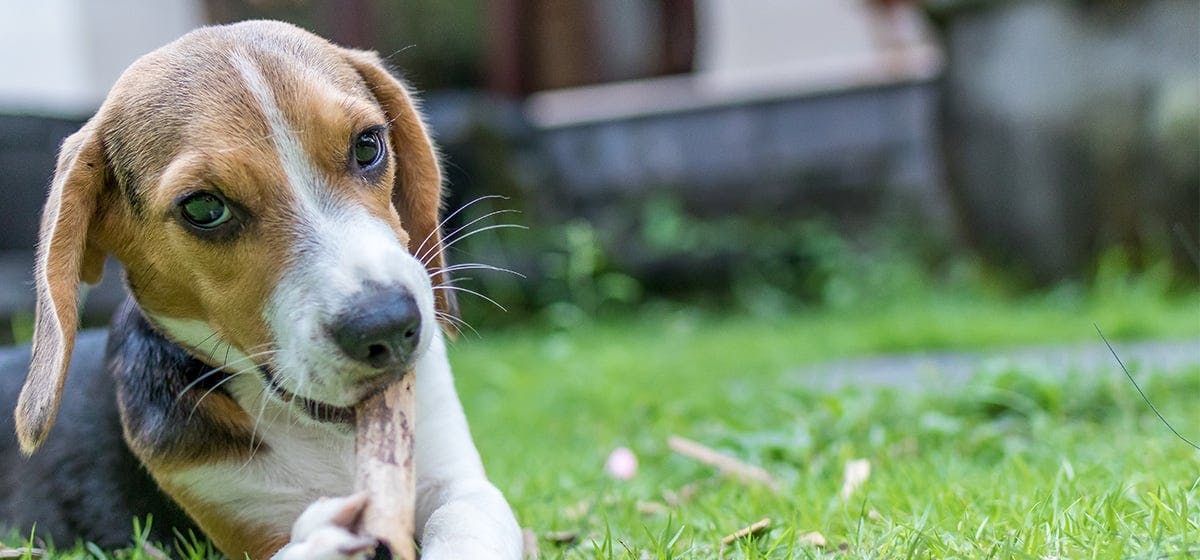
65 256
417 194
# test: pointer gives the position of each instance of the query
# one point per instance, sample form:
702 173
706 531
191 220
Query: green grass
1016 464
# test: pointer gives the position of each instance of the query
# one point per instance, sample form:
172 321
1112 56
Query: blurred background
758 157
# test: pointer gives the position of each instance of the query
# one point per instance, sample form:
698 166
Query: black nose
378 328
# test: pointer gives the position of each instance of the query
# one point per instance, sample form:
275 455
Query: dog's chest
292 464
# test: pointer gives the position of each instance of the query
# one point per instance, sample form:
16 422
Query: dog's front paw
323 532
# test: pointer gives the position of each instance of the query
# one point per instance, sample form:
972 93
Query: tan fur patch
232 536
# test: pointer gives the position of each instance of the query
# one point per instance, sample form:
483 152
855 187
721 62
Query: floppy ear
65 256
417 192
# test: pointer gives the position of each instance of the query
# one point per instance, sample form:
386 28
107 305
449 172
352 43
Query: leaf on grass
856 474
676 498
153 552
580 509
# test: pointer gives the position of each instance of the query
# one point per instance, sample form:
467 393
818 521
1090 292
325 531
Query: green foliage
21 325
578 278
578 270
186 547
582 270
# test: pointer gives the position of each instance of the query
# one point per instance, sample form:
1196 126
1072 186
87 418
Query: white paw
323 532
476 524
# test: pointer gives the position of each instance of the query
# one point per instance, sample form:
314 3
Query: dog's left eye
368 148
205 210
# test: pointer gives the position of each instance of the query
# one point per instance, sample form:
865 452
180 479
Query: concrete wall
802 154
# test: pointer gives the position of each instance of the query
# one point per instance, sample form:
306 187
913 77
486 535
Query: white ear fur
64 258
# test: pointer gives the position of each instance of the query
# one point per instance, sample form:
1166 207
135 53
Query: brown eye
368 149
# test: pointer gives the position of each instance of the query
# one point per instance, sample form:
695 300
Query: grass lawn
1015 464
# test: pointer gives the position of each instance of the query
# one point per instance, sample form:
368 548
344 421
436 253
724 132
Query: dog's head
274 200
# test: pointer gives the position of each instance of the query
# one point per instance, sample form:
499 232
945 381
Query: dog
274 200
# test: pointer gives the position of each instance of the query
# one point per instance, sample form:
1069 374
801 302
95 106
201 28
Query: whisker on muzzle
264 398
447 244
472 292
456 322
472 266
420 248
196 348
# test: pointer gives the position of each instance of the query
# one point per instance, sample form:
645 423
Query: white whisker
214 388
265 397
215 370
449 237
472 292
456 322
447 245
442 223
473 266
455 280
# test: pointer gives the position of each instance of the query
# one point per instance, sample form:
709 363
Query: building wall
1072 127
62 56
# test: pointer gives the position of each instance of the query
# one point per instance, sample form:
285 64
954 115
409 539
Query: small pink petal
621 464
856 474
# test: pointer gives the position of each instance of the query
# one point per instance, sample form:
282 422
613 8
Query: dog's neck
176 406
190 424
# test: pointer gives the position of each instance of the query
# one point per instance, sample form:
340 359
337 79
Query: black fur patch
83 482
159 389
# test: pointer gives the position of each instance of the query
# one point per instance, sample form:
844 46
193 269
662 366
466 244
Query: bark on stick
383 448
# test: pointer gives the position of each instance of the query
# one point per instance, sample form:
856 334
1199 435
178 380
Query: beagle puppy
274 200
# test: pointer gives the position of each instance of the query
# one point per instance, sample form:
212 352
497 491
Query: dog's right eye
204 210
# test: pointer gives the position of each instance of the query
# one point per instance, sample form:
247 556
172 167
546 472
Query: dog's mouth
317 410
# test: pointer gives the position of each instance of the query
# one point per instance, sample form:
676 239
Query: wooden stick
751 530
383 448
726 464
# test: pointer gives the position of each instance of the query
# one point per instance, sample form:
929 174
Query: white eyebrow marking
301 175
